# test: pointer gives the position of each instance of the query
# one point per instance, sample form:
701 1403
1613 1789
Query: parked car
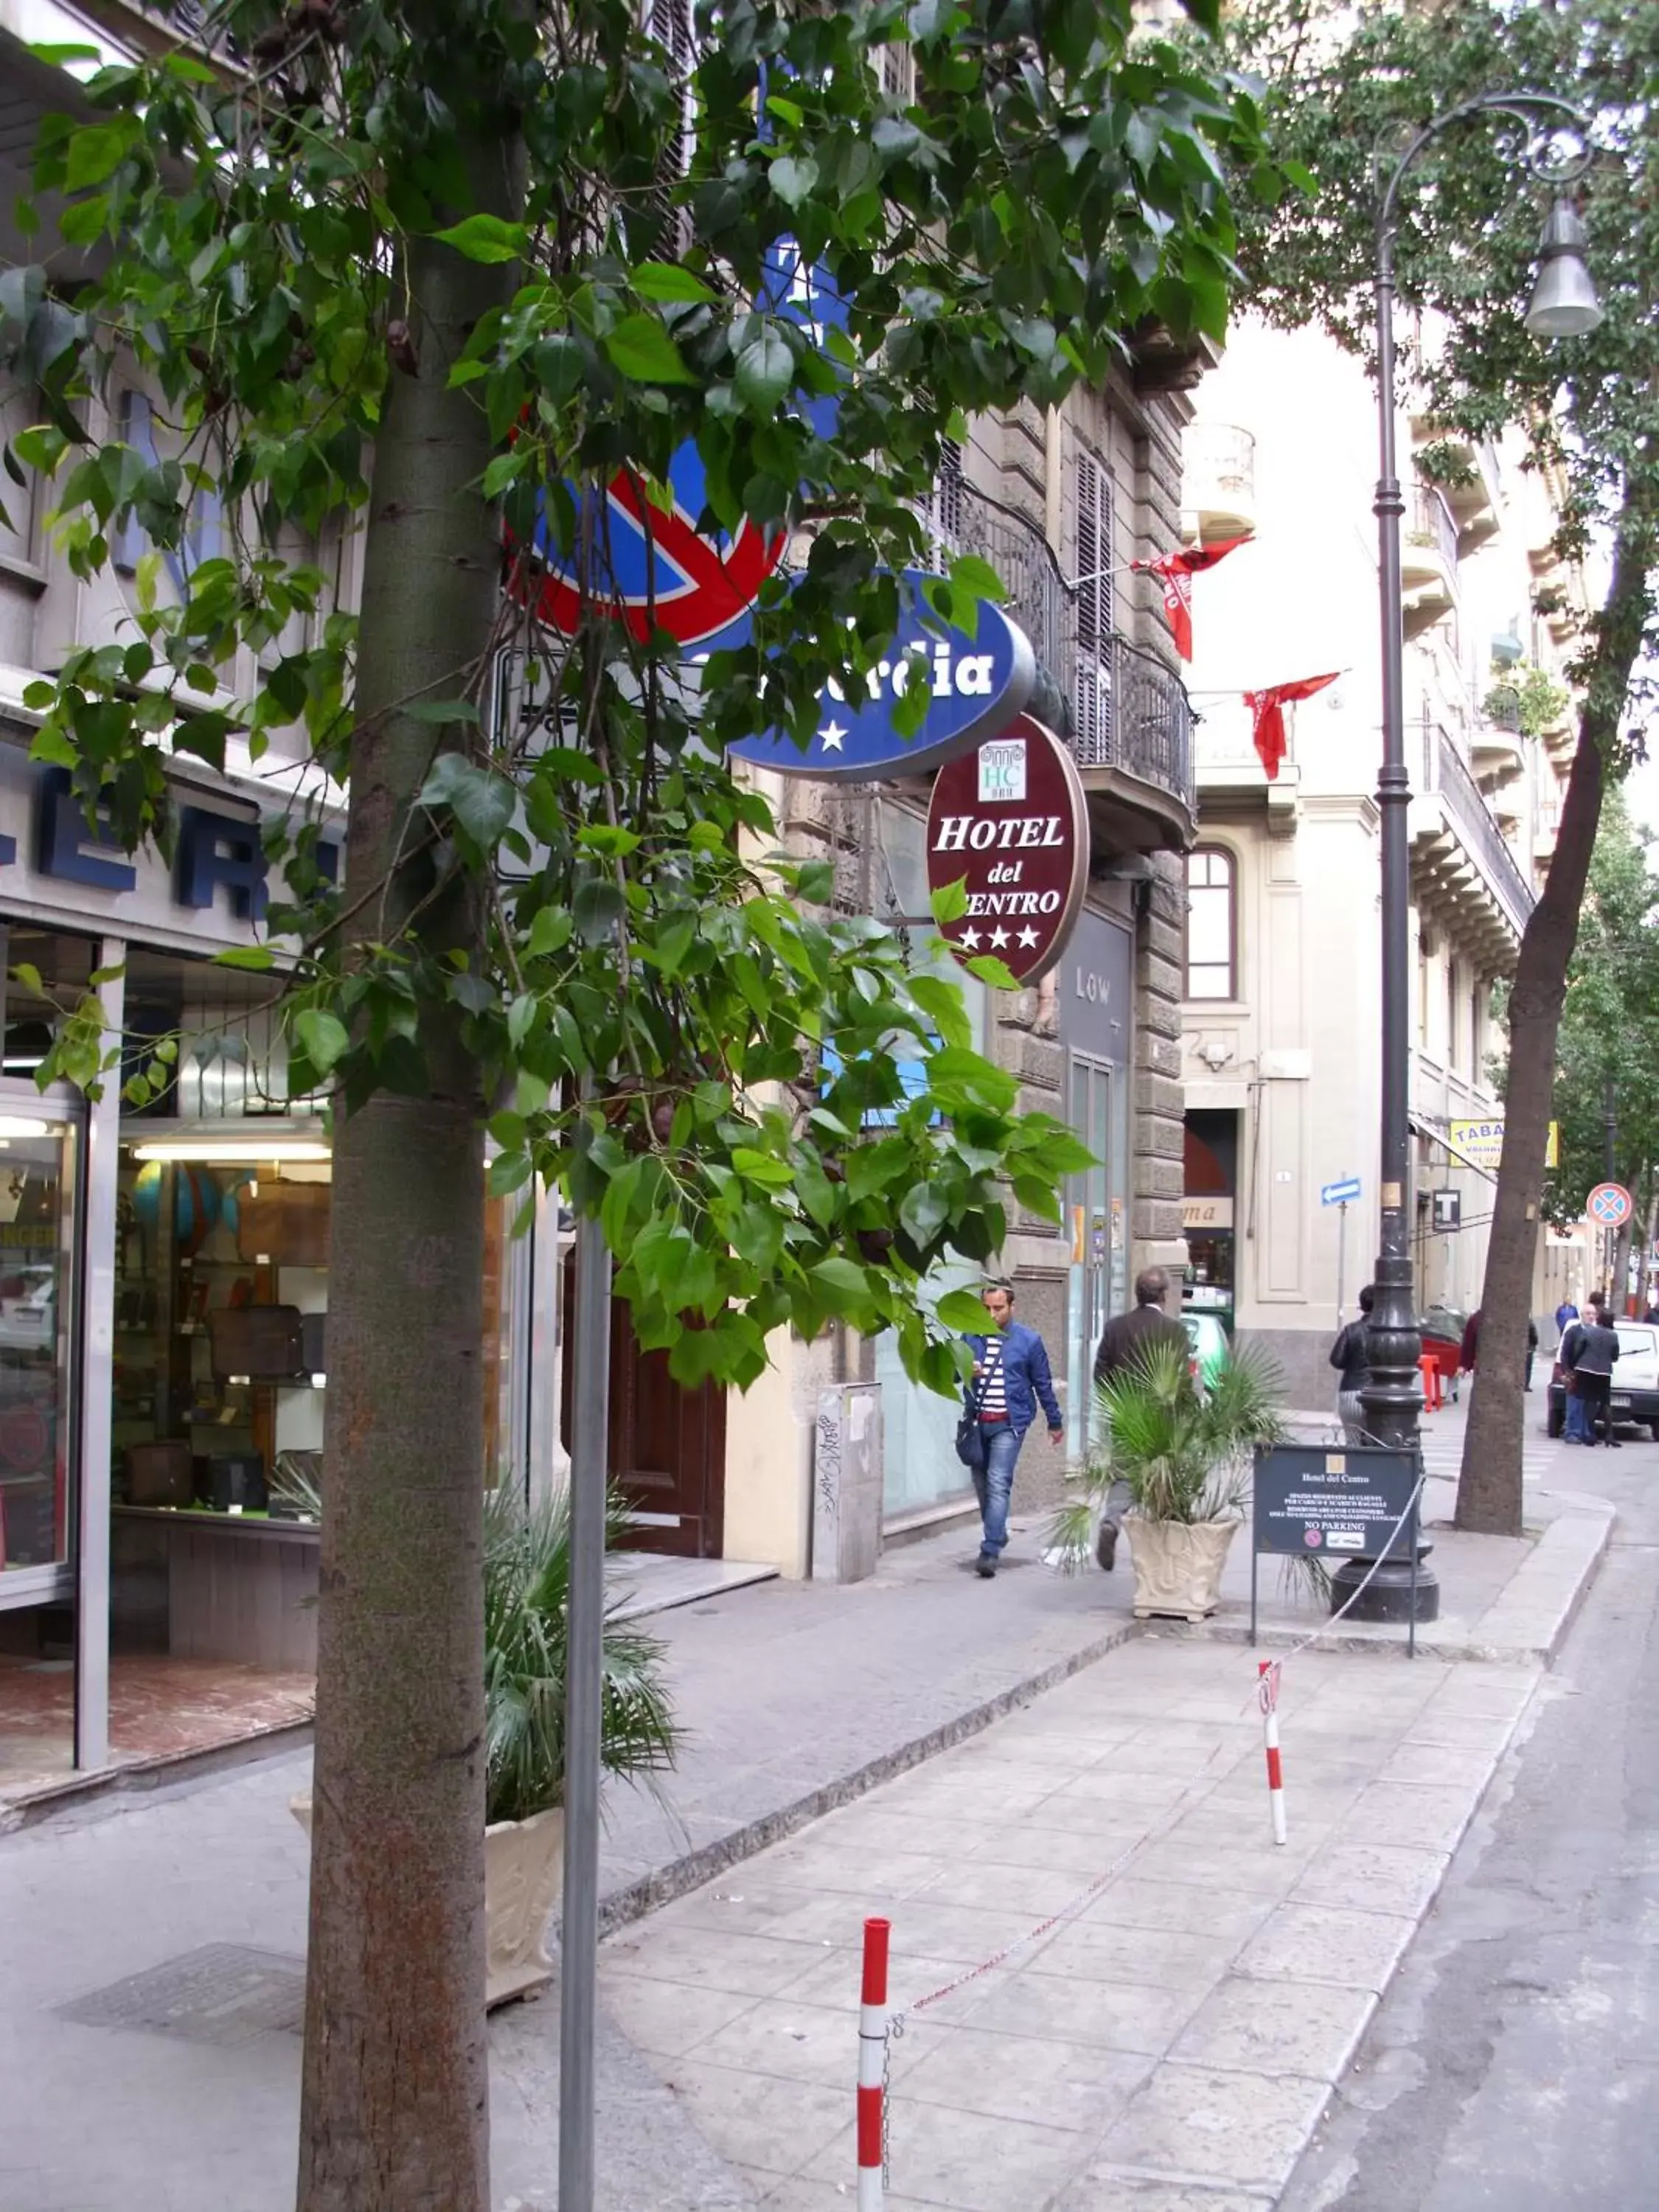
1634 1403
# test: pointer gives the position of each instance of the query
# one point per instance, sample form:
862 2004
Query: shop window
1212 925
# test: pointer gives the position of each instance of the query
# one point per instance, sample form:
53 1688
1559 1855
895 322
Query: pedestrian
1469 1351
1564 1312
1350 1356
1010 1380
1124 1345
1587 1352
1651 1316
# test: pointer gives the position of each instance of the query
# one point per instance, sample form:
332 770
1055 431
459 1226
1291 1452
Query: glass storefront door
38 1168
1096 1279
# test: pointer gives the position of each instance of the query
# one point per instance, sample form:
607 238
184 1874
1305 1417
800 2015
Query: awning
1439 1137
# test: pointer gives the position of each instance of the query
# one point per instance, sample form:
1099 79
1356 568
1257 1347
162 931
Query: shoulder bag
970 1442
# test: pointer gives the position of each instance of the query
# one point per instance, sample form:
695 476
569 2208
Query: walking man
1010 1380
1350 1356
1587 1352
1124 1345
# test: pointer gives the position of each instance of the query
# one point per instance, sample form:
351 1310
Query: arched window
1212 925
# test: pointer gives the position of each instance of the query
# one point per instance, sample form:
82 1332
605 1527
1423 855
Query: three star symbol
971 939
998 939
1028 937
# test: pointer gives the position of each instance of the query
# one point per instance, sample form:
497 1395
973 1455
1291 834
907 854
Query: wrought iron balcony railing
1118 706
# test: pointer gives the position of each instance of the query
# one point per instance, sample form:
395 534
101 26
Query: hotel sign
1016 832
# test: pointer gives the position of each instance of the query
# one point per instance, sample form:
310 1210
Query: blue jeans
993 1484
1577 1422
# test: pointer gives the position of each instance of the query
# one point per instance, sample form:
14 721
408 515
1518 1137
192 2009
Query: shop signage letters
216 852
1024 871
977 681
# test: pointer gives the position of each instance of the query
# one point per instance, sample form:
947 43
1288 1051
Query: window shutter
1092 609
669 22
945 509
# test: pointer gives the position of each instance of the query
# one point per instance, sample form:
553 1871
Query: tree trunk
395 2104
1621 1245
1489 1490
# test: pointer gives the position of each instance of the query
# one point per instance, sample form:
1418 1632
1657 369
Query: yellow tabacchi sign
1481 1143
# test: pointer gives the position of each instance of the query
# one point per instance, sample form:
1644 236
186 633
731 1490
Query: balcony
1476 499
1217 492
1125 716
1497 748
1463 869
1428 559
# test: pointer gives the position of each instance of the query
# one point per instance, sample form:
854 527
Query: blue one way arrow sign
1339 1194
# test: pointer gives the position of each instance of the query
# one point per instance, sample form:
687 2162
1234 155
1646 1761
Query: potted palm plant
1182 1454
526 1568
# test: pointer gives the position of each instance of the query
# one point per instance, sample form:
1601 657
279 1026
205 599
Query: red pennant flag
1268 715
1177 571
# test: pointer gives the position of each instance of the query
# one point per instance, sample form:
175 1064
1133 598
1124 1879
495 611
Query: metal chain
894 2029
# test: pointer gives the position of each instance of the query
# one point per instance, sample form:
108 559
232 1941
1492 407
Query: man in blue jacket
1010 1380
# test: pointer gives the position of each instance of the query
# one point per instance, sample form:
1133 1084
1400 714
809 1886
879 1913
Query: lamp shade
1564 302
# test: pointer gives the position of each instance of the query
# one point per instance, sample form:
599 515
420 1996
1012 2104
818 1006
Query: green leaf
963 1311
257 957
922 1212
794 179
642 349
987 969
482 803
95 152
323 1037
486 238
950 902
664 280
842 1286
596 908
443 711
762 1168
765 371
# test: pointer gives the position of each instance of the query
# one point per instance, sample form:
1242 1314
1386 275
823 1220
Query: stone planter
524 1867
1178 1565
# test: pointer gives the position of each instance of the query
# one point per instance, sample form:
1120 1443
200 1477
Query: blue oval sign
976 683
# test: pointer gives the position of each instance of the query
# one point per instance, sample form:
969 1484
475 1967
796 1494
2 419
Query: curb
620 1907
144 1777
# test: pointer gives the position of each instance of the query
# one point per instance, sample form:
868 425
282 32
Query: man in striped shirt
1010 1380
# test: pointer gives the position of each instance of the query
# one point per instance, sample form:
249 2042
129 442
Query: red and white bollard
872 2063
1268 1697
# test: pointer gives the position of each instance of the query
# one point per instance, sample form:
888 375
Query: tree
1608 1046
520 255
1340 87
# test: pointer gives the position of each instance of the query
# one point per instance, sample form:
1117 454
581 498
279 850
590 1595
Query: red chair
1429 1368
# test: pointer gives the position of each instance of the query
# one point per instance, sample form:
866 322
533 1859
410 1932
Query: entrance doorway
1098 1279
1207 1209
667 1453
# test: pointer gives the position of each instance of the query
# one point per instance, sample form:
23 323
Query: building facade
164 1294
1281 1012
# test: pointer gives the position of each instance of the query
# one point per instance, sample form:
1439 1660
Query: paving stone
1274 2027
668 2017
1430 1817
972 2161
1078 2085
1374 1878
754 2120
1327 1943
1113 2015
1194 2121
1108 2188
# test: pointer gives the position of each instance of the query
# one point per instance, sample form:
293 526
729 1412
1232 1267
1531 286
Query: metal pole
579 1957
1341 1257
97 1354
1392 1395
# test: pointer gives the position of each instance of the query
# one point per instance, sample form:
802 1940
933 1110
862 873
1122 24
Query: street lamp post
1563 305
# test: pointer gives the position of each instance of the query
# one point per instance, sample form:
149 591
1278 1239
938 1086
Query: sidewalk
799 1699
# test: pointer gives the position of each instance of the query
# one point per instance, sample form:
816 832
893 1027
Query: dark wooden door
667 1444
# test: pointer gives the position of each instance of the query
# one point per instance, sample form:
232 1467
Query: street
1512 2064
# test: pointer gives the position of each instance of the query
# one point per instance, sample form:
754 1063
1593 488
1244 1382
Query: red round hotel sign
1011 822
